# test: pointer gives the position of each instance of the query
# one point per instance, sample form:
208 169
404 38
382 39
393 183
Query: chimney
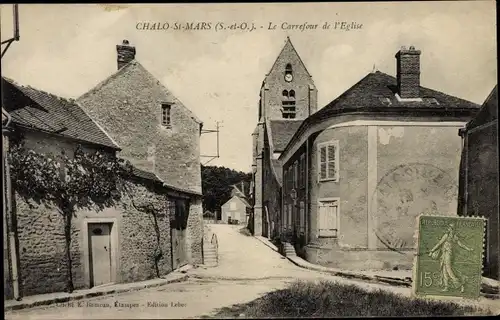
126 53
243 187
408 73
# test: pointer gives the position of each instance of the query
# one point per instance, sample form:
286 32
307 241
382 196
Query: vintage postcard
250 160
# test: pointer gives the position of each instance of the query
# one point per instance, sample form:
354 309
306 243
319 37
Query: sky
68 49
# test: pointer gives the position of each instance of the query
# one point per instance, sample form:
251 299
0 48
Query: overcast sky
68 49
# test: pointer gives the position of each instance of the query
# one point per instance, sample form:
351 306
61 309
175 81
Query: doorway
99 236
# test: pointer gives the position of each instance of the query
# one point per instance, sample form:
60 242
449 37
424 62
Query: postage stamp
449 258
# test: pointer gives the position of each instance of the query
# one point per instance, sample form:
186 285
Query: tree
217 185
85 180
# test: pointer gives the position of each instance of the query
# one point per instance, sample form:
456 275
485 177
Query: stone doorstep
61 297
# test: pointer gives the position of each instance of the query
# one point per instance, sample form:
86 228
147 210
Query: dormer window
165 115
431 101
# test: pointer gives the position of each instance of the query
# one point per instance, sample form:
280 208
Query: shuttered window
302 171
328 218
328 154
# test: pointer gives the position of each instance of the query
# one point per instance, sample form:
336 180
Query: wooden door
100 253
178 234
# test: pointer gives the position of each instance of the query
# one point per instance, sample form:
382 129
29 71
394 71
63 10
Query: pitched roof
147 175
376 93
134 64
281 131
40 110
289 46
488 112
245 202
378 89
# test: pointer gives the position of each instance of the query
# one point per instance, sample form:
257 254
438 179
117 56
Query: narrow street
247 270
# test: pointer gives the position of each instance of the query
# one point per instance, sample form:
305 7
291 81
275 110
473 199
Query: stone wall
302 84
195 232
128 106
350 188
42 243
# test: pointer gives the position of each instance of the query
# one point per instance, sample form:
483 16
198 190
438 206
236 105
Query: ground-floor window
328 216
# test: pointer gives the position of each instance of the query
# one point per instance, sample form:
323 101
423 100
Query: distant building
357 173
157 134
237 208
479 177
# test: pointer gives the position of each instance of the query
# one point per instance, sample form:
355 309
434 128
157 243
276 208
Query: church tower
287 97
288 91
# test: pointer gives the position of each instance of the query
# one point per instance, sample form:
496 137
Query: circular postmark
402 195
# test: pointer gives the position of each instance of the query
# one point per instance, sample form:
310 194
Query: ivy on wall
84 179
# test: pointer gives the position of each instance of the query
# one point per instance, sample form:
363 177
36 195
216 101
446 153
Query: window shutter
332 169
295 174
328 215
322 163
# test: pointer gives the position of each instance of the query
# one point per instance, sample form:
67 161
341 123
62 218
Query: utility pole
217 130
9 214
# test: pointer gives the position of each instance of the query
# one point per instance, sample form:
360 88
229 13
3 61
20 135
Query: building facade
287 97
157 134
235 208
479 178
358 172
122 242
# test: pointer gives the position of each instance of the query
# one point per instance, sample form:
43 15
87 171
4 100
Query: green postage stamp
449 259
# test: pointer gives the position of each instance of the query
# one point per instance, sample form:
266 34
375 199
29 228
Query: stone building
156 133
114 245
287 97
479 178
358 172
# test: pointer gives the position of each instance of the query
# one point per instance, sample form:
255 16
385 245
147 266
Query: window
302 179
232 206
288 68
328 218
295 174
431 101
165 115
288 104
328 155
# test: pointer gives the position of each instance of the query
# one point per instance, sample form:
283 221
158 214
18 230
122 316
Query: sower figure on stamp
445 246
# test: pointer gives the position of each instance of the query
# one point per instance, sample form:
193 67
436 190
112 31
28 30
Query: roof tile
43 111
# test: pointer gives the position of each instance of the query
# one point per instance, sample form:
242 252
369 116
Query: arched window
288 68
288 104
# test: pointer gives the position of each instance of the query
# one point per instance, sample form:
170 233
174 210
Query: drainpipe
9 214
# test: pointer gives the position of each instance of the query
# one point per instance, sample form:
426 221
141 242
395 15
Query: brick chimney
126 53
408 73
